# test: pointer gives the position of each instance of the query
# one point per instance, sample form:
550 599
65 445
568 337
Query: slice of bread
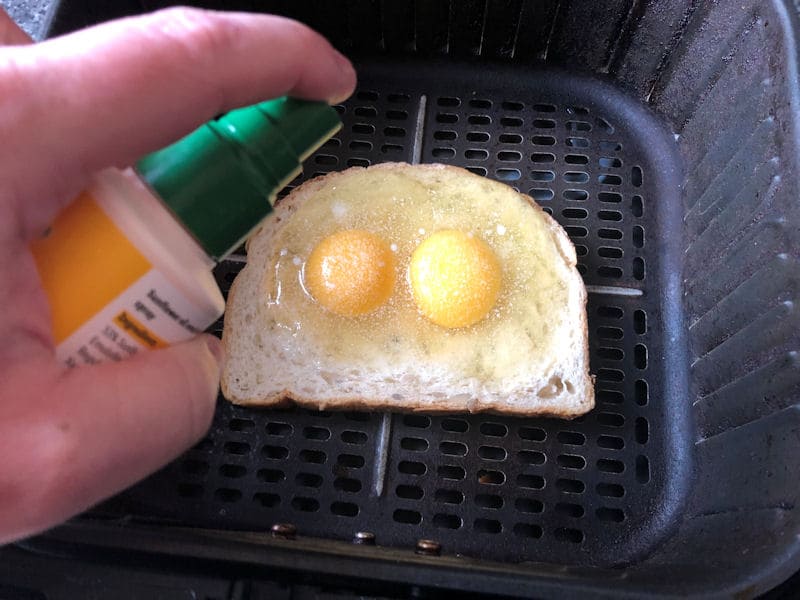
530 357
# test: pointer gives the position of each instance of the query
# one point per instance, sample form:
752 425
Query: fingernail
347 74
215 347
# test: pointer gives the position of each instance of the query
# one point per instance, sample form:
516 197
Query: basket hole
445 135
637 208
487 477
610 312
544 140
577 142
446 118
642 469
610 442
443 153
408 517
190 490
491 501
391 149
494 429
511 122
237 448
638 236
332 143
452 472
311 480
448 101
610 515
608 179
477 170
610 234
543 107
544 123
351 461
354 437
581 250
491 453
508 174
613 375
534 434
610 353
370 95
610 396
279 429
396 115
576 195
607 162
543 157
270 475
642 430
453 448
394 132
449 496
581 269
266 499
608 146
607 465
398 98
638 268
478 137
232 471
528 530
275 452
541 194
611 272
366 111
533 482
479 120
487 526
347 484
574 126
568 509
195 467
640 356
610 197
358 162
609 252
610 419
576 231
575 213
417 421
316 457
414 444
639 322
411 467
567 534
409 492
604 125
571 461
576 159
227 495
360 146
636 176
304 504
316 433
455 425
570 486
505 138
528 505
640 392
446 521
610 490
548 210
532 457
509 156
573 438
577 110
344 509
363 128
576 177
241 424
480 103
609 333
610 215
476 154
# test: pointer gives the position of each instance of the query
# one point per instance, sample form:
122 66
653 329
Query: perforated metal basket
663 136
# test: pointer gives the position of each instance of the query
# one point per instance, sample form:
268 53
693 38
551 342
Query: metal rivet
364 537
286 531
428 548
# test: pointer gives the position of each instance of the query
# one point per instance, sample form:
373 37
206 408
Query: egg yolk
455 278
351 272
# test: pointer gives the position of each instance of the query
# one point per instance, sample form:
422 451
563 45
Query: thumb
107 426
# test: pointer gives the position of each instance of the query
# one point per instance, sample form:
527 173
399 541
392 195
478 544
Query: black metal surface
597 490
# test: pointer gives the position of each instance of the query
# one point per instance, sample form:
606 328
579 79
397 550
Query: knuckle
199 32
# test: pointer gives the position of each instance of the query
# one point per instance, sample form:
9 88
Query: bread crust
286 397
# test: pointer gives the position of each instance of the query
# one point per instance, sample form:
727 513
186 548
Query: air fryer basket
662 135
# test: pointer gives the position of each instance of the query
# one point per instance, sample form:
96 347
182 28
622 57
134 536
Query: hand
68 108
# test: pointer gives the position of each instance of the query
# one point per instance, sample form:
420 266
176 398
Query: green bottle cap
220 181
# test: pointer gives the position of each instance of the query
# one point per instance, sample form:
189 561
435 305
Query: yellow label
84 261
138 331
